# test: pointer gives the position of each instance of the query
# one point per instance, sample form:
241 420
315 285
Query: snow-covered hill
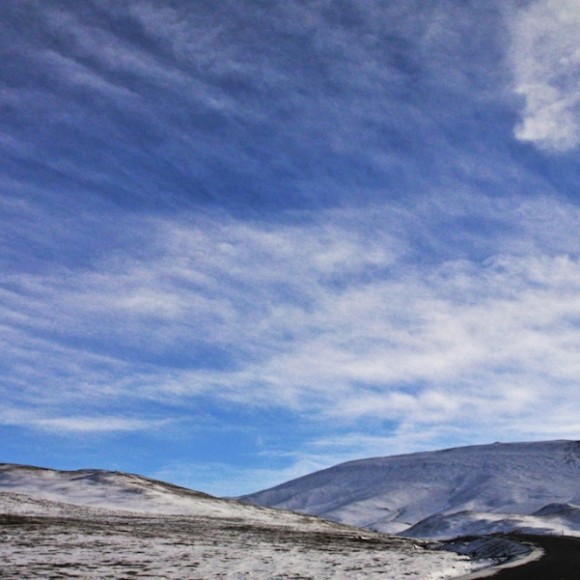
100 524
463 490
115 491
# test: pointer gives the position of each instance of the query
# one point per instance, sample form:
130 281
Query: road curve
561 560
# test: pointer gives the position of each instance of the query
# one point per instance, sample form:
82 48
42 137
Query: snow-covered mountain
101 524
476 489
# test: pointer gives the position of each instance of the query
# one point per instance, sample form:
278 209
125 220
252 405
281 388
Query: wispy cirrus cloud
344 318
168 104
307 223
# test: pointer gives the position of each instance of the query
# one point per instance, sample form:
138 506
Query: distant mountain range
532 487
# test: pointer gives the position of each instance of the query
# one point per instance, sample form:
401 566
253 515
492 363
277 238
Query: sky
243 240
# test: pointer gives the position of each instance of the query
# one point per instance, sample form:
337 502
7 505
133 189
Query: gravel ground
203 548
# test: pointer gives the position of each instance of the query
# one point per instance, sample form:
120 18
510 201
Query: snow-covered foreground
530 487
204 548
94 524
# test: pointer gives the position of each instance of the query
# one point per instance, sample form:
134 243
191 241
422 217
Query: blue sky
244 240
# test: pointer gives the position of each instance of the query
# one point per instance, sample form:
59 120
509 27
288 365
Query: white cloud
95 424
333 318
546 64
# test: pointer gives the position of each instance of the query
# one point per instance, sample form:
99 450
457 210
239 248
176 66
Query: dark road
561 560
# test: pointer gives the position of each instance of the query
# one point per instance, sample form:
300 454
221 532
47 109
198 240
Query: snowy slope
395 493
564 521
115 491
100 524
104 489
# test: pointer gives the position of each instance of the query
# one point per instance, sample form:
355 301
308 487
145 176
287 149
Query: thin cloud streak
96 424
